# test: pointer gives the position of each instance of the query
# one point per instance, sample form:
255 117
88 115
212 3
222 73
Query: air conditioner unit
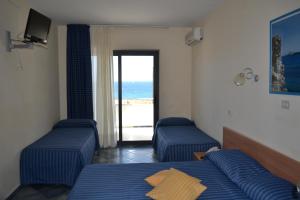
194 37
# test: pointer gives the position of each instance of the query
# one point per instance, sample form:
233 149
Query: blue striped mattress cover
126 181
79 123
58 157
177 143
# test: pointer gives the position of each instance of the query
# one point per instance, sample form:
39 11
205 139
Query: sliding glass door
136 94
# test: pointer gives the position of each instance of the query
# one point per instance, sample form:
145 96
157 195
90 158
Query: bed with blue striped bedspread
177 143
58 157
126 181
255 181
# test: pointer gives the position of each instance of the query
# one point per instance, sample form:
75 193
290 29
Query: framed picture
285 54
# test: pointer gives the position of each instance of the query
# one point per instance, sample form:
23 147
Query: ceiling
126 12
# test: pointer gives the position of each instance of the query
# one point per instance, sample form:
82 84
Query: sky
135 68
289 30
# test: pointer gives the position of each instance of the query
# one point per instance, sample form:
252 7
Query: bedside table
199 155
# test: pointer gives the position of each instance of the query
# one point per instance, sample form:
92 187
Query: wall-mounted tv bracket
16 44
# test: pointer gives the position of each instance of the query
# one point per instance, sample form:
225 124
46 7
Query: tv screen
37 28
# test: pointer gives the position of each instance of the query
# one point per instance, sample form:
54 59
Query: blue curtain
79 72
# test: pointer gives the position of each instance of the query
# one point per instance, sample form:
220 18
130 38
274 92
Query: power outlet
285 104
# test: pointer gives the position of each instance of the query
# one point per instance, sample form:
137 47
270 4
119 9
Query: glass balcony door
136 94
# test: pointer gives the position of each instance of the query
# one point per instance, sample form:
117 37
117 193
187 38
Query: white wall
175 64
29 93
237 36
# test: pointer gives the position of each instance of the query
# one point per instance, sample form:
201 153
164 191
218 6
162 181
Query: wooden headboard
277 163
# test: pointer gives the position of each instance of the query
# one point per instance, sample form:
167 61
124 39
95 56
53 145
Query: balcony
137 119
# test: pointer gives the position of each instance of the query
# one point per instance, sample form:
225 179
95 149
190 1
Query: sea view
291 64
137 110
134 90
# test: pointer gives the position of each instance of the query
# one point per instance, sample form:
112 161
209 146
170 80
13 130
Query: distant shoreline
135 101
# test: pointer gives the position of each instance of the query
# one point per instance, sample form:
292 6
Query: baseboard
13 192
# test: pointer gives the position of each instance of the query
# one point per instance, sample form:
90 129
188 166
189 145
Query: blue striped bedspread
126 181
177 143
58 157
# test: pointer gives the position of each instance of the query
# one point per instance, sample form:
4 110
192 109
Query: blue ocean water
135 90
292 71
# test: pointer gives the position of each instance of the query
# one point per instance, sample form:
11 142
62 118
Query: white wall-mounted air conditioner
194 37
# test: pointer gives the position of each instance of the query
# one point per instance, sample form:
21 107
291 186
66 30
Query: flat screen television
37 28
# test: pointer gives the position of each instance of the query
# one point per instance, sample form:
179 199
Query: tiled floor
126 154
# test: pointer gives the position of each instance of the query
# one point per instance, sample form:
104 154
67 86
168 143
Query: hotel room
137 99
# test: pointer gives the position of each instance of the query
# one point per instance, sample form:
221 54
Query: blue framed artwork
285 54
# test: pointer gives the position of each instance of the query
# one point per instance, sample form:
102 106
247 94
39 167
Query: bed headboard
277 163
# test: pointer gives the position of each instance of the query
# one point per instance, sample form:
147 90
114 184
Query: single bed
59 156
176 139
228 174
